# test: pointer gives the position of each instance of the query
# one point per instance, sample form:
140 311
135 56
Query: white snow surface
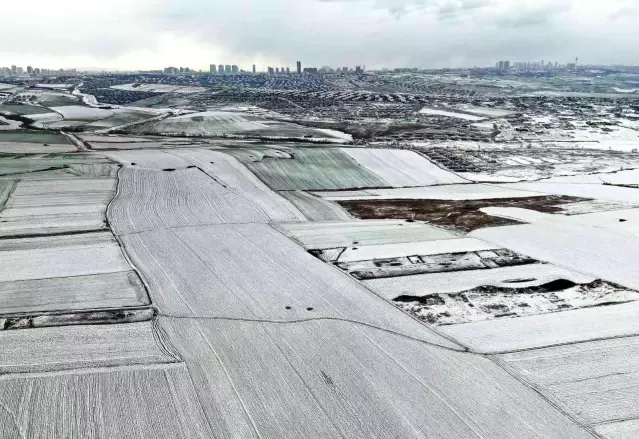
78 112
553 329
598 192
436 247
332 234
436 112
602 253
447 192
455 282
401 167
160 88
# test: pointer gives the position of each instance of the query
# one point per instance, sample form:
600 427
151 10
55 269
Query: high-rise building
271 71
253 68
235 69
227 68
500 65
310 70
288 70
358 69
277 69
506 65
299 67
220 68
14 70
29 70
212 68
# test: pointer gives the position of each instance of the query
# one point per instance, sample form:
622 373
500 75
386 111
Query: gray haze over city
148 34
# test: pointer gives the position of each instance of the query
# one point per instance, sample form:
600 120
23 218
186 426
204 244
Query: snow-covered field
448 192
452 114
324 235
531 332
159 88
77 112
402 168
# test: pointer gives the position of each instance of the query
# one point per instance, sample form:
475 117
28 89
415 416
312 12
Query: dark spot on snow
190 167
327 379
309 308
287 307
354 248
622 220
169 169
355 242
133 164
519 281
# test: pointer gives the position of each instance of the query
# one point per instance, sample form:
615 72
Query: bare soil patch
462 215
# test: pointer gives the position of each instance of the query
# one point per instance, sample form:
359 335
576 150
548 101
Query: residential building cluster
535 65
32 72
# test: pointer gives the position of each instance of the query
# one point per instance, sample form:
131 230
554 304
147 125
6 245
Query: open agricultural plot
339 234
465 215
448 113
402 168
45 166
28 142
596 381
45 206
34 137
209 271
218 123
158 88
23 109
315 169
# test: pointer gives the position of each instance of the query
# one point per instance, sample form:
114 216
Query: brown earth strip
462 215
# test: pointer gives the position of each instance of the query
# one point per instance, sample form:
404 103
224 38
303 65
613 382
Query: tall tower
253 68
299 67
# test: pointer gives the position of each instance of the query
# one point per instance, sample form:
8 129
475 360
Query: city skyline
379 33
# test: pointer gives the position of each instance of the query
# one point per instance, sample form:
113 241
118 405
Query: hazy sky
151 34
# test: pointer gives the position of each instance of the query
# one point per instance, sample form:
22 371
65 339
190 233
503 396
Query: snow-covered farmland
598 252
395 250
301 366
56 206
530 332
151 199
315 169
77 112
315 208
446 113
455 282
448 192
402 168
325 235
159 88
597 380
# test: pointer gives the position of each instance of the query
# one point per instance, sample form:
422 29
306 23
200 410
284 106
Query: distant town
502 66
